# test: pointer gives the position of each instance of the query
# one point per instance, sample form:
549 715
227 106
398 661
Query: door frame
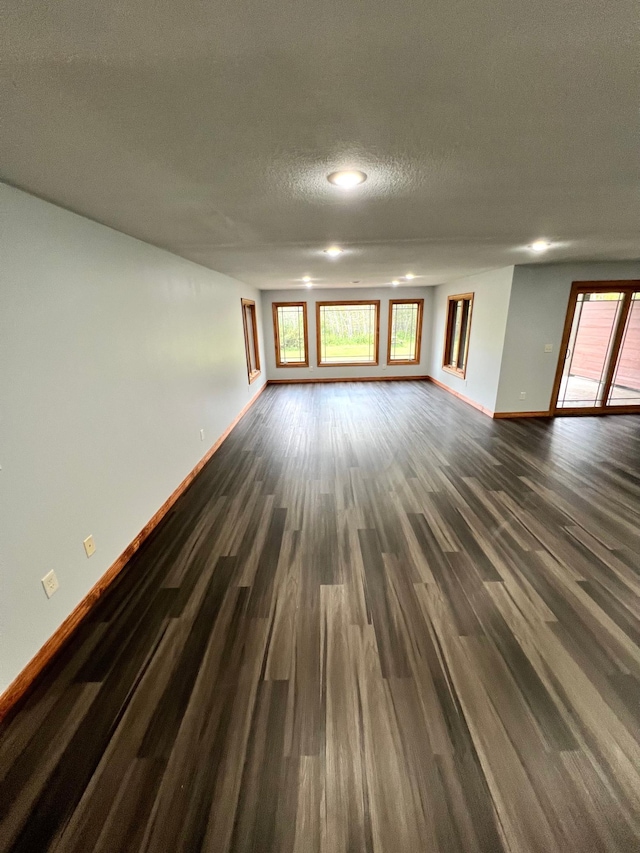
627 286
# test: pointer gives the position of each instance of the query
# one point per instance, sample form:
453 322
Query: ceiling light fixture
409 276
395 282
308 284
539 246
347 180
333 251
306 278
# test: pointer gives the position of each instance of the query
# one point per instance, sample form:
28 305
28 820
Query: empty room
319 427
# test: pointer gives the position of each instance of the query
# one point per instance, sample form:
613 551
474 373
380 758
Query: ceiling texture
208 127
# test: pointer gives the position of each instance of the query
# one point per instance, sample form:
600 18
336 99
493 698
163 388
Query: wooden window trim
420 304
625 286
251 374
276 333
456 371
320 305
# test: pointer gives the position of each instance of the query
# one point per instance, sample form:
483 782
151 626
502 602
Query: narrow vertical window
405 331
347 332
250 324
456 341
290 334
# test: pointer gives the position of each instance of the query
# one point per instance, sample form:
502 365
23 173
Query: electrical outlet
310 367
384 366
50 583
548 347
89 546
523 395
201 435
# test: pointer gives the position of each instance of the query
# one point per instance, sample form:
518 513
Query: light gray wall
384 294
537 311
488 324
113 355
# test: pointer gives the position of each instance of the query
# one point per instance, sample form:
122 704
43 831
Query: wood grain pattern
22 683
462 397
544 414
408 377
376 621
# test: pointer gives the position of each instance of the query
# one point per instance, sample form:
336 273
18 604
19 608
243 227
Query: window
250 323
347 332
290 333
405 331
456 341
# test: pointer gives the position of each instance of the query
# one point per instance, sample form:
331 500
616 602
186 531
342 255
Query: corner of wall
537 312
492 294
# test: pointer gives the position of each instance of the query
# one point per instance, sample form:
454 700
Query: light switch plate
50 583
89 546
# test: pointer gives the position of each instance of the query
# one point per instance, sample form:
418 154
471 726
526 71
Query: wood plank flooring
377 621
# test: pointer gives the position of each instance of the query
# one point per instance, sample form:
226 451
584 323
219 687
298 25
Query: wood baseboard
464 399
593 412
353 379
444 387
546 414
20 686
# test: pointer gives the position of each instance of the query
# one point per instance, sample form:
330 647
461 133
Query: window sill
294 364
253 376
397 361
461 374
348 364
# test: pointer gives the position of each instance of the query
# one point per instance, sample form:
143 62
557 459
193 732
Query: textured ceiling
209 128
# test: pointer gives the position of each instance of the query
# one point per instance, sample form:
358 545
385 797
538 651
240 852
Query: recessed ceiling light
540 246
306 278
333 251
348 179
409 276
308 284
395 282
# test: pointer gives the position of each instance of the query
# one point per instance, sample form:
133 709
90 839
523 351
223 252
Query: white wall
537 311
113 355
384 294
488 324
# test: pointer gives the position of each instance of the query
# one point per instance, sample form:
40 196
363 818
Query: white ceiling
209 128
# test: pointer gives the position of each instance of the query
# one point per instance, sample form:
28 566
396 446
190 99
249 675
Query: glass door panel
625 388
584 375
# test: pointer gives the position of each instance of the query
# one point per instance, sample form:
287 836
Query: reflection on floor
377 621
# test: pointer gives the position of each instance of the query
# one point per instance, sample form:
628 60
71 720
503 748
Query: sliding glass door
625 387
599 369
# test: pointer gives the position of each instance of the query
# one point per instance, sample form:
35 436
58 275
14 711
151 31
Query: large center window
347 332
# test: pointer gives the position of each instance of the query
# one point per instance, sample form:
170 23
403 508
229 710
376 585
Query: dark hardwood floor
377 621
